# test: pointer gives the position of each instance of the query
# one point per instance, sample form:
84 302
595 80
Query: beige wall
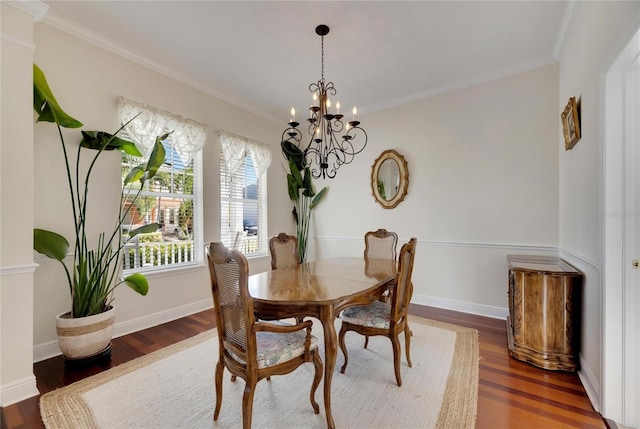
483 182
599 30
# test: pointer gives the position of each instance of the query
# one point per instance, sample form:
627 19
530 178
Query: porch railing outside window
150 254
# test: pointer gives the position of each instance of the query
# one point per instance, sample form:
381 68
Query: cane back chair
252 349
284 251
385 318
380 244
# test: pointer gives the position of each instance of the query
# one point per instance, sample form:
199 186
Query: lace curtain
235 148
188 135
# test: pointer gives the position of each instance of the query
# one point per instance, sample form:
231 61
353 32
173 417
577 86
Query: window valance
188 135
235 148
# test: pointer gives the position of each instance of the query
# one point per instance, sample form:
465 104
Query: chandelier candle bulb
338 108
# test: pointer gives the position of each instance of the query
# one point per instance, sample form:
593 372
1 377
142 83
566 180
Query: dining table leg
328 318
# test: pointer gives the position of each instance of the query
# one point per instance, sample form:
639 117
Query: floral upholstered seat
375 315
274 348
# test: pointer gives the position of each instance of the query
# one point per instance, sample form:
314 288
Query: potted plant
86 330
301 192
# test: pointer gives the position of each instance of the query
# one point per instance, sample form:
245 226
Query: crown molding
565 27
35 8
478 80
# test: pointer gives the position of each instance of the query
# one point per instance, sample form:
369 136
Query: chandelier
331 142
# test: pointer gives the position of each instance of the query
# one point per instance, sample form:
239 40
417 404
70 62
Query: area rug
173 388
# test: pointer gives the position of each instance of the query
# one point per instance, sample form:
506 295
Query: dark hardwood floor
512 394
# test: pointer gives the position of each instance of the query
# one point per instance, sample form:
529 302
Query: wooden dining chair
252 349
284 251
380 244
385 318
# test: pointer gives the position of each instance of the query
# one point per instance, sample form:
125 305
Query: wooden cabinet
543 326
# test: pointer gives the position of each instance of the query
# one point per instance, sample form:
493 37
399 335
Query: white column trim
18 269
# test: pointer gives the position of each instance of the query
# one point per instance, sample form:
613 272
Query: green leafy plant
301 192
95 272
381 189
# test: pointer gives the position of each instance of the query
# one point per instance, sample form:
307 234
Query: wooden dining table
321 289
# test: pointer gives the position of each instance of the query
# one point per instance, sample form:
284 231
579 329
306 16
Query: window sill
168 272
258 257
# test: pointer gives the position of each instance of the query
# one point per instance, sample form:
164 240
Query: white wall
86 80
599 30
483 182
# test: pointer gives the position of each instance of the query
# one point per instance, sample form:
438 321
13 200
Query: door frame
620 349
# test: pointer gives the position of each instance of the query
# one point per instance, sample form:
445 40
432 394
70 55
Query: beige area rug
173 388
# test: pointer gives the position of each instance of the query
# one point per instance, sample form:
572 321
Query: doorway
620 390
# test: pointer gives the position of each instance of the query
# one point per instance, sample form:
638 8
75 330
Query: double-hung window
172 198
243 193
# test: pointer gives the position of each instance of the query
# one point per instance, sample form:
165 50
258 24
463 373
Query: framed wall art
570 124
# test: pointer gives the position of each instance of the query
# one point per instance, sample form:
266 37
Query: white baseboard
50 349
590 384
19 390
156 319
464 307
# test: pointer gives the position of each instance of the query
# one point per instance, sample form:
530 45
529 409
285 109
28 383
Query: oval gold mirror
389 179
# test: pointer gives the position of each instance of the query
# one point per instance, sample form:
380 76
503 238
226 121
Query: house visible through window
169 199
243 194
172 198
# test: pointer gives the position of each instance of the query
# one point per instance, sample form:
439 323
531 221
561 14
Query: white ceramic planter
85 337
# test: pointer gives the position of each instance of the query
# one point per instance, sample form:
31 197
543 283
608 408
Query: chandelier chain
322 58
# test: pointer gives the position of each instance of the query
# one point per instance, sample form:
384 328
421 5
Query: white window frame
196 257
244 240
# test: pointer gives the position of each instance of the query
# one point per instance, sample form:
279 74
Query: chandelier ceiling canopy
331 141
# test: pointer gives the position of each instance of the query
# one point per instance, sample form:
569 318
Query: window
172 198
243 194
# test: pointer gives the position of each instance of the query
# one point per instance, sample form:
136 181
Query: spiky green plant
305 199
96 272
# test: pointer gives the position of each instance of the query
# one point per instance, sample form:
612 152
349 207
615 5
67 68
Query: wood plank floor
512 394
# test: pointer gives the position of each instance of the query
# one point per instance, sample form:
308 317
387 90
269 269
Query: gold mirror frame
403 178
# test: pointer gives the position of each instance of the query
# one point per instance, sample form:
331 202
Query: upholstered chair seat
376 315
274 348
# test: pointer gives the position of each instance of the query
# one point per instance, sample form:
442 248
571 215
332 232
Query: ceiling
262 55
